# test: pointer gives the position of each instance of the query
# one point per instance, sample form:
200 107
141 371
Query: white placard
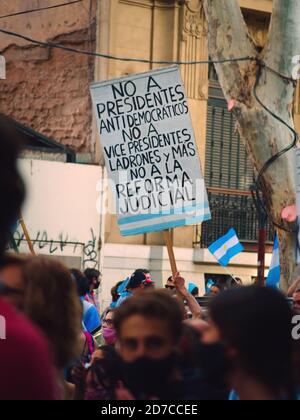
150 151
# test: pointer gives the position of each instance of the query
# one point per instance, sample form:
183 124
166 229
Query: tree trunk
263 135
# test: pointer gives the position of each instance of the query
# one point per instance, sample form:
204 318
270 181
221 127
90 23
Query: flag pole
231 275
169 244
226 270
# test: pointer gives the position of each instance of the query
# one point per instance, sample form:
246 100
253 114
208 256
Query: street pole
262 235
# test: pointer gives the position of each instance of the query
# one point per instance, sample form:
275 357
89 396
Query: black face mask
146 377
214 363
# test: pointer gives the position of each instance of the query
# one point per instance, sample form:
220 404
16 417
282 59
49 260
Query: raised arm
192 303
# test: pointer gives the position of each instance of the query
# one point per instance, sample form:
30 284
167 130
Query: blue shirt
125 295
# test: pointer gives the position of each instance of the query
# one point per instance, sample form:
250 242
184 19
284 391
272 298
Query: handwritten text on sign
150 151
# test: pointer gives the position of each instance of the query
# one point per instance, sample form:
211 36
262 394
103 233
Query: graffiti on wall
43 242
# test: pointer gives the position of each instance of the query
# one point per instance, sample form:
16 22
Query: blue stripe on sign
168 225
232 252
142 217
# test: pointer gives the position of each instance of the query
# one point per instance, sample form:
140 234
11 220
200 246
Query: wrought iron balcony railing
231 208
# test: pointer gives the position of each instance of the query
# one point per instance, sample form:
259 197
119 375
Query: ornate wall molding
193 47
194 19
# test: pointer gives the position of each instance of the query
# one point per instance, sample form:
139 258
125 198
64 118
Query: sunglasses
6 290
170 287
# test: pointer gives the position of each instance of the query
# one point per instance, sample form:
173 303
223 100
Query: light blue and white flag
274 273
227 247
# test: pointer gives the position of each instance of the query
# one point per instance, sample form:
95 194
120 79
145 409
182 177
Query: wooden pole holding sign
169 244
29 242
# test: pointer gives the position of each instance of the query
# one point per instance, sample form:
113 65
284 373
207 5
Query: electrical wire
261 65
40 9
278 155
112 57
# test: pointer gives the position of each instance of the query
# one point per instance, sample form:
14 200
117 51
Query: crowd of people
149 344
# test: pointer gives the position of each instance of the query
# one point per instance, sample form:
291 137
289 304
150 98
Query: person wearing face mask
93 277
108 330
202 366
107 335
253 327
149 328
91 319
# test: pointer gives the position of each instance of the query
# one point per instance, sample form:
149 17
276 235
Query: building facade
47 90
177 31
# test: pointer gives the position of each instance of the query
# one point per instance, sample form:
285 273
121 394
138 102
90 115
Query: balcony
232 208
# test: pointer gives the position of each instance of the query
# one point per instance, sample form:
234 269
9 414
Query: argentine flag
274 272
227 247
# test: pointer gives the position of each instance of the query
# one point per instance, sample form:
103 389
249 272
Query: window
227 164
229 173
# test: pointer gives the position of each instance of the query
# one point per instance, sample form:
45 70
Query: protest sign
150 152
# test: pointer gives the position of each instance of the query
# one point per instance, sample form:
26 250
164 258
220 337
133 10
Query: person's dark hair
107 372
195 291
155 304
170 278
18 260
52 304
139 277
114 291
82 283
136 280
106 312
91 273
142 270
12 190
257 323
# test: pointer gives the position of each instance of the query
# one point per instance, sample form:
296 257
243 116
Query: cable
282 76
40 9
111 57
273 159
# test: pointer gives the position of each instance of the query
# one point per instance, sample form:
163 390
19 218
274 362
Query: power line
221 61
40 9
125 59
278 155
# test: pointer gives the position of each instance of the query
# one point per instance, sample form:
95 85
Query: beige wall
61 211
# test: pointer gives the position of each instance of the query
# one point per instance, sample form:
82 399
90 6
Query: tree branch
284 36
228 38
